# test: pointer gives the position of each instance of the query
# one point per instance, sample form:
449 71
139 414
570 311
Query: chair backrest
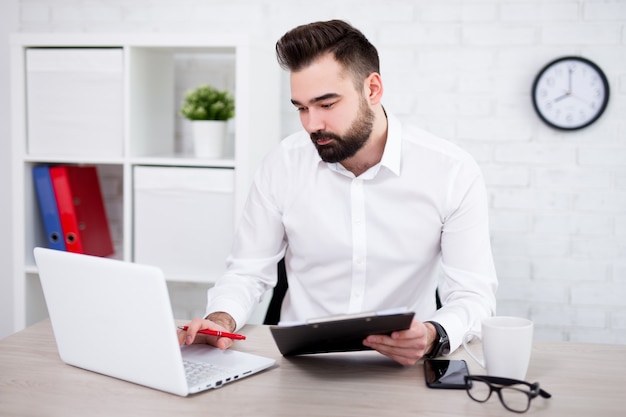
273 310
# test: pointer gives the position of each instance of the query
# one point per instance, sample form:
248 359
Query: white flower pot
208 138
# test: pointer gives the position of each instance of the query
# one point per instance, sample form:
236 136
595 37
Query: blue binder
48 207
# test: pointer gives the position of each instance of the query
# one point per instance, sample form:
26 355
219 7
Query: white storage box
184 220
75 101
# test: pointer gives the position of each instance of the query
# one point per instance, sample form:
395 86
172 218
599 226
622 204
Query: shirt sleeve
468 284
258 245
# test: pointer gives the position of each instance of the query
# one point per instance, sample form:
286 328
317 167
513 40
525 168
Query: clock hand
581 99
564 96
569 91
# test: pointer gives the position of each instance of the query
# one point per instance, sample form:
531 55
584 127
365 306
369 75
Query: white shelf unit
157 68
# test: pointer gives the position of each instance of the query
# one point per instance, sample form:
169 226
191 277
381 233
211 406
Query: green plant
208 103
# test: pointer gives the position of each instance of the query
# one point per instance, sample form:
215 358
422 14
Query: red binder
81 210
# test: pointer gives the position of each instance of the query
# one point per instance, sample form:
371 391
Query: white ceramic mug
507 343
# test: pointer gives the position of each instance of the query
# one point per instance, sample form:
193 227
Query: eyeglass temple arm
544 394
509 381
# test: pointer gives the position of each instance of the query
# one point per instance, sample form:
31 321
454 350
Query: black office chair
273 310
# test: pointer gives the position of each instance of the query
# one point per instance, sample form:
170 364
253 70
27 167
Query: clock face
570 93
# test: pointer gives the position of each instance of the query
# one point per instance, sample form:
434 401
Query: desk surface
584 380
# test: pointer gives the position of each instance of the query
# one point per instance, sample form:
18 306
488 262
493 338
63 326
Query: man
371 215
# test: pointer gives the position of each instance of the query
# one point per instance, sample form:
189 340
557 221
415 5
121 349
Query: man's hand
215 321
407 346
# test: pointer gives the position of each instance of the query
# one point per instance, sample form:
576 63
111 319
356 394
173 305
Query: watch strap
442 345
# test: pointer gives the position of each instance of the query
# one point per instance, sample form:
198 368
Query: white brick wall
463 69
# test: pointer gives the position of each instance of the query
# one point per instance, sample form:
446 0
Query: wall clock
570 93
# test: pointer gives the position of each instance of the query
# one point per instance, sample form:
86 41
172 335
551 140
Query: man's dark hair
302 45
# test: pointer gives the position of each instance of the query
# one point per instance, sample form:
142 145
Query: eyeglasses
514 395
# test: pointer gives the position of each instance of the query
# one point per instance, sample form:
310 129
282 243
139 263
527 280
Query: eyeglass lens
515 399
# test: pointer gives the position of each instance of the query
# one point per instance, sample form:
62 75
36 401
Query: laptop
115 318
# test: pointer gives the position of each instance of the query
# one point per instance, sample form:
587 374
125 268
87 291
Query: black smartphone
445 373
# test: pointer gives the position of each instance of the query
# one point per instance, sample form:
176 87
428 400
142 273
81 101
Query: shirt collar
392 155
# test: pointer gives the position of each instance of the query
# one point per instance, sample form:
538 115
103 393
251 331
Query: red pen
218 333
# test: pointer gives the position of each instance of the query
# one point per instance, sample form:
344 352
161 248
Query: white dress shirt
386 239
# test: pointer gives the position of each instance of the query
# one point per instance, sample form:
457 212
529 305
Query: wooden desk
584 380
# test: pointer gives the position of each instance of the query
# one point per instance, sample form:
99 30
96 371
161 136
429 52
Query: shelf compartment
159 77
111 183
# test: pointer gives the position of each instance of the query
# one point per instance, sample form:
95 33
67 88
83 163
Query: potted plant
209 110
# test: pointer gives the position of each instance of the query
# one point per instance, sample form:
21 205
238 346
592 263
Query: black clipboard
337 334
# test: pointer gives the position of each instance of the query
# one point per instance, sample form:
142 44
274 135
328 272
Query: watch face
570 93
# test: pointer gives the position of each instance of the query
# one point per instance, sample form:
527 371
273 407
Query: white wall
463 69
8 24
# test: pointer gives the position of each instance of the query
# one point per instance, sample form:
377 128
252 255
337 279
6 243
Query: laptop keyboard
198 372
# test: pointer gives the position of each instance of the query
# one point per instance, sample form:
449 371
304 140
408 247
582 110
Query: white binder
184 220
75 101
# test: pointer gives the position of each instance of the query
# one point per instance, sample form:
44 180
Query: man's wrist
223 319
431 337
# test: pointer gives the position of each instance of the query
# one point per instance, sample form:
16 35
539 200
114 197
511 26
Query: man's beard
346 146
